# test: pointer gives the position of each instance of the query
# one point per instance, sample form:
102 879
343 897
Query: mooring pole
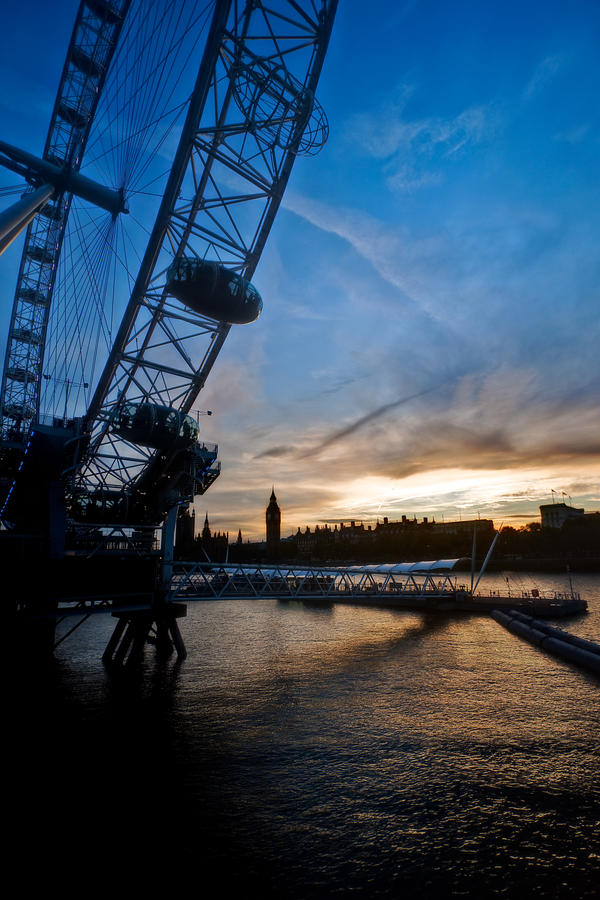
473 552
486 560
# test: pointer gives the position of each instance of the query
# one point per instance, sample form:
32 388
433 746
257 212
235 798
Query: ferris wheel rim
75 136
49 243
257 150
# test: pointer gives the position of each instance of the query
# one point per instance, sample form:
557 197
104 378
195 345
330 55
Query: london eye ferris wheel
173 136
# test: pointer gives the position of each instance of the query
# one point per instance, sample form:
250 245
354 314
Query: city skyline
429 333
447 225
289 530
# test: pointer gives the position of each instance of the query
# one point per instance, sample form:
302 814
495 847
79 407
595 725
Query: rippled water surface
309 752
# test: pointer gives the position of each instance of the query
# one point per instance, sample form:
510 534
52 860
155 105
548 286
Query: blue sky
429 339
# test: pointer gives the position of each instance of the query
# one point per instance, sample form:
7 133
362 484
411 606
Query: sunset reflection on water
310 752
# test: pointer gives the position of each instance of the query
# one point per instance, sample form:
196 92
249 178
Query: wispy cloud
415 151
508 422
398 257
573 135
407 180
281 450
367 419
544 73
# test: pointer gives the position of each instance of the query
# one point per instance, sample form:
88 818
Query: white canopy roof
405 568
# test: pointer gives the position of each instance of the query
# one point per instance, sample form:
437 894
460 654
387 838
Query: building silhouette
206 535
273 521
566 534
211 546
554 515
394 541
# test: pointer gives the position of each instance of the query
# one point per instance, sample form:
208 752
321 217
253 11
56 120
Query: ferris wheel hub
61 178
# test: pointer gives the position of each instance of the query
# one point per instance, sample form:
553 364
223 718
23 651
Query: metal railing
202 580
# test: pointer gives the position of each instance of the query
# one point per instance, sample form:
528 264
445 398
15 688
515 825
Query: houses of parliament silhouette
217 548
352 541
575 536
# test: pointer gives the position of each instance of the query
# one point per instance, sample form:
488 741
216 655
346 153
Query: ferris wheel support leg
134 628
57 520
167 548
167 613
18 216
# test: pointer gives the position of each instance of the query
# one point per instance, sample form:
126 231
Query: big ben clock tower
273 517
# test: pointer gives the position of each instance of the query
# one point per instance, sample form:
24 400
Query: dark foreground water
302 752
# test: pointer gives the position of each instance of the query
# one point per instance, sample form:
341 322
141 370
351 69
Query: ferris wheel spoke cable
120 75
93 313
149 73
140 224
134 249
84 274
127 164
9 190
153 151
175 112
76 318
147 89
244 126
81 275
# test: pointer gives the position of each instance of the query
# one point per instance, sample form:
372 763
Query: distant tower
273 517
239 537
206 535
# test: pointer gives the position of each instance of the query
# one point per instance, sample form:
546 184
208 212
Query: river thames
313 752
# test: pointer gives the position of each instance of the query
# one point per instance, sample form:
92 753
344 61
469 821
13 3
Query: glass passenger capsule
104 10
102 506
85 63
212 290
72 116
22 375
27 336
16 411
41 254
52 212
29 295
159 427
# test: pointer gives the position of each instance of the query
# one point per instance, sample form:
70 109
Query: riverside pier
417 586
148 594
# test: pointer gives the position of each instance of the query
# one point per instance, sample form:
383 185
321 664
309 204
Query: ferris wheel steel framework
252 111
